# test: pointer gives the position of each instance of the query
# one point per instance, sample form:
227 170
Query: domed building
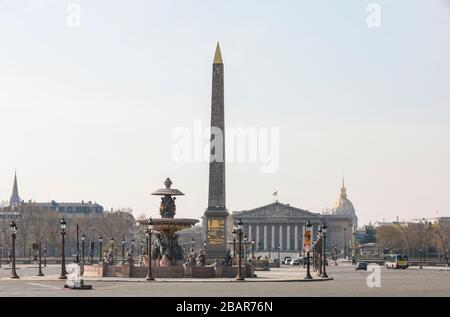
344 206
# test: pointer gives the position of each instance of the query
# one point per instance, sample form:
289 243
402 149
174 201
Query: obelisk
216 213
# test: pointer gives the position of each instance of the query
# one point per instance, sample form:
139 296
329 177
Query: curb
184 281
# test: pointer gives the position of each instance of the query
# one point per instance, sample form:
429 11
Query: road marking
45 286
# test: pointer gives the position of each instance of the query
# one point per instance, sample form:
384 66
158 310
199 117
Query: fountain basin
169 224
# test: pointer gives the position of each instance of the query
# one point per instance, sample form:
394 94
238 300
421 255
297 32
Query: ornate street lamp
324 236
132 247
123 248
446 259
150 231
319 253
13 228
234 243
204 246
83 239
147 237
300 245
112 243
100 245
253 249
421 258
239 230
245 248
40 260
63 226
91 254
345 243
192 244
78 244
279 249
314 254
308 238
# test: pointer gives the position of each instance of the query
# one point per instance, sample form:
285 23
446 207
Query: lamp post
234 243
91 245
63 226
308 240
446 259
45 256
192 245
299 245
147 237
78 244
13 228
335 252
279 249
421 258
100 245
132 247
319 253
245 248
204 246
314 254
324 236
83 239
40 260
111 242
150 231
353 242
239 230
253 249
123 248
345 243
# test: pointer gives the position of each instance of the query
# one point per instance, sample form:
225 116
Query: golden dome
343 205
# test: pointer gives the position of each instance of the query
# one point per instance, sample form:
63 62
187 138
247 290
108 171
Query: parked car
286 260
361 266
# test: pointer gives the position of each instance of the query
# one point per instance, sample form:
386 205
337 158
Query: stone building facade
283 225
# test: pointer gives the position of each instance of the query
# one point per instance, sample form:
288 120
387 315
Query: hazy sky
87 112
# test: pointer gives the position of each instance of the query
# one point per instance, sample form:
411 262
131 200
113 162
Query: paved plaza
346 282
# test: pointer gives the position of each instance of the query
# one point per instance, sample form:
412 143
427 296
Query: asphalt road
347 282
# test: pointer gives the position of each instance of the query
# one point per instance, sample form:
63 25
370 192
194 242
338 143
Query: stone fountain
167 256
166 251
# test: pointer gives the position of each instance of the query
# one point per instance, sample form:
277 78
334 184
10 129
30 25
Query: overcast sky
87 113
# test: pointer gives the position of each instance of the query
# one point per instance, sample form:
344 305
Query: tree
117 224
442 238
389 238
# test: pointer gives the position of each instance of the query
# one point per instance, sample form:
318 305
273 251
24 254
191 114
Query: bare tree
442 238
117 225
390 238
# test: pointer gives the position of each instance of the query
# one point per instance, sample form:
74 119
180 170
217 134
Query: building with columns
283 225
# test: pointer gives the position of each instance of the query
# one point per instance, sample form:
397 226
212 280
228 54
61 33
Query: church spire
15 198
343 190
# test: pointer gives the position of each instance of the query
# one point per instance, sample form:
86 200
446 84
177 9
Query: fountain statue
166 249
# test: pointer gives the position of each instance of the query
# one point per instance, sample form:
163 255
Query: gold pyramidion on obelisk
218 55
